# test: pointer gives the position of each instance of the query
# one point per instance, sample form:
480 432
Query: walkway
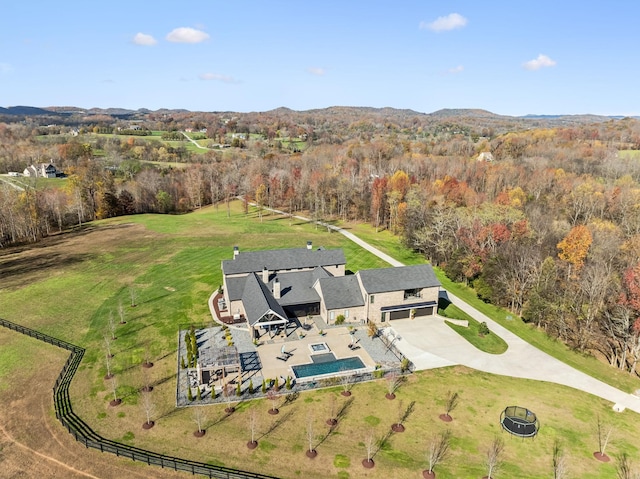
432 344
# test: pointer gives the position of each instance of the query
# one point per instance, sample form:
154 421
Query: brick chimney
276 288
265 275
236 252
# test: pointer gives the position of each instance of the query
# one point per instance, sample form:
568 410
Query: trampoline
519 421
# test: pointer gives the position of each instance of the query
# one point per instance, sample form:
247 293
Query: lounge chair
282 358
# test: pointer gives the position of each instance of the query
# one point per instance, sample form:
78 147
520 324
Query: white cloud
217 77
5 68
144 39
543 61
317 71
454 70
187 35
442 24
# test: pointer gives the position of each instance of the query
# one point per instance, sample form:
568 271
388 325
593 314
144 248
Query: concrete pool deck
338 340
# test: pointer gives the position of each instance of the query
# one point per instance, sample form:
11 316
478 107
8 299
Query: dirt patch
24 265
52 451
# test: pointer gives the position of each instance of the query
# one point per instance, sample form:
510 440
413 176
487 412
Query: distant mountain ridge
443 114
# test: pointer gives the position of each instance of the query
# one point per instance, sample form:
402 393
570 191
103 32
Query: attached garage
403 314
404 311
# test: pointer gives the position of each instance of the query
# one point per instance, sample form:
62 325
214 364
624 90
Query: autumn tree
573 249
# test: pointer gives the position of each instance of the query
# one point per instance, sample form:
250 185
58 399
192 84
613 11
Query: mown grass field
70 285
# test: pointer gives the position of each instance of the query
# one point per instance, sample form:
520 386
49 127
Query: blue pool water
318 368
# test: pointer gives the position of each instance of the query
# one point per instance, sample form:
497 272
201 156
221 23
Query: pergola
217 363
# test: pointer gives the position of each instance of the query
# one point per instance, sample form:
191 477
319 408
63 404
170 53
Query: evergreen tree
182 363
251 391
189 394
264 387
199 394
238 390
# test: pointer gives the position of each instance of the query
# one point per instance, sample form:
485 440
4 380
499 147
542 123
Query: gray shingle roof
282 259
297 287
397 279
341 292
258 300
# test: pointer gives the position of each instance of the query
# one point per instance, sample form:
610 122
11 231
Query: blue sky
512 58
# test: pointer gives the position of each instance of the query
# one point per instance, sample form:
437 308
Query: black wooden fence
83 433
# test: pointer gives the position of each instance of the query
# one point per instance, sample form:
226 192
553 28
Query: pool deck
338 340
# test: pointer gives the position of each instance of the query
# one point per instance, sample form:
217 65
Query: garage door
399 314
424 311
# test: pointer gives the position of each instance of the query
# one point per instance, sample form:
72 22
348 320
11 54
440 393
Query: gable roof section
297 286
397 279
341 292
258 300
282 259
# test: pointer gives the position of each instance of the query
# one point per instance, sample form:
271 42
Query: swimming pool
327 367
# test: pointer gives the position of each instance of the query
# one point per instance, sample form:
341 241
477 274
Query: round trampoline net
519 421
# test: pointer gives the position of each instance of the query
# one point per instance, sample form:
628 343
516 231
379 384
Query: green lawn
173 265
489 343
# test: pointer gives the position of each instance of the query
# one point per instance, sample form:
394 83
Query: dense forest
539 215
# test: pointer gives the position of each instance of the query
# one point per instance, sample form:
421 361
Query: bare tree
403 414
346 381
148 407
147 356
121 313
273 396
112 326
114 389
133 295
253 427
109 374
228 392
604 434
393 383
333 420
450 403
438 450
369 444
146 381
494 456
311 452
199 417
107 345
625 468
560 470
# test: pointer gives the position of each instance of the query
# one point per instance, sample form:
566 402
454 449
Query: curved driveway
431 344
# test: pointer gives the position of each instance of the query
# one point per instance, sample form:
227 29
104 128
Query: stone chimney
309 245
265 275
276 288
236 252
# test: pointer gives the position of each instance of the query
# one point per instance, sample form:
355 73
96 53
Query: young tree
107 345
121 313
272 396
437 452
199 415
393 383
604 434
369 444
450 403
228 393
253 427
189 393
109 374
311 452
133 295
112 327
148 407
494 456
559 461
346 381
114 389
146 381
333 420
625 468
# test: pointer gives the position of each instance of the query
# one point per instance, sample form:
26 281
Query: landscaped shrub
238 390
264 387
182 363
189 394
340 319
251 391
483 329
198 394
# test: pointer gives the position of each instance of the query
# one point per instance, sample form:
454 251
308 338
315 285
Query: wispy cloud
454 70
543 61
443 24
5 68
144 39
187 35
217 77
317 71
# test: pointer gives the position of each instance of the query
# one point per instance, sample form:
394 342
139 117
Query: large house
42 170
270 287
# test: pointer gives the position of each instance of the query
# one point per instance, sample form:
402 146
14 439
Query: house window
371 299
411 293
332 315
346 314
383 318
